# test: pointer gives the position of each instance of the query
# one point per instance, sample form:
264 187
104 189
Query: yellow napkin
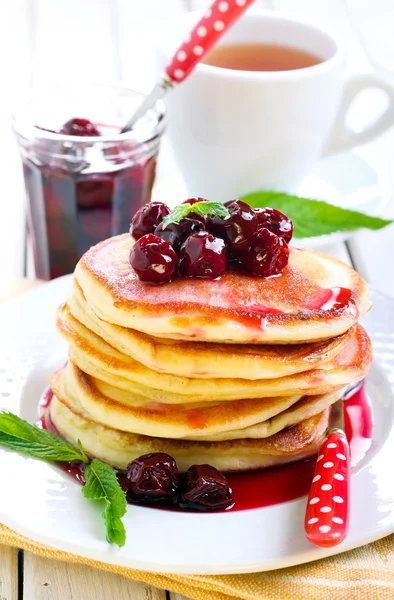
366 573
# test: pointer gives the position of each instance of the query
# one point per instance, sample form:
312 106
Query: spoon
210 28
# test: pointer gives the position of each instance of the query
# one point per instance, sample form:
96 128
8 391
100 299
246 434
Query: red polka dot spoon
327 509
215 22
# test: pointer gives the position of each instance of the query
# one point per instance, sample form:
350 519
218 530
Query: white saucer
352 180
40 501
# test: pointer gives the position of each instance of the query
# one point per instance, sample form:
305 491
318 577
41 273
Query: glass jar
83 189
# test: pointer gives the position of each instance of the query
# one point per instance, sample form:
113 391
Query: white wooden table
47 41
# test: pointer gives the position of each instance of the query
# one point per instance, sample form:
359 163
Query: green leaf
102 484
17 434
205 207
314 217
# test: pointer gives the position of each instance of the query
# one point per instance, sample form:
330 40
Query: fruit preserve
84 179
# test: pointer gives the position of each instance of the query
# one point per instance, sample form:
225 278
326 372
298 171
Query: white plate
40 501
352 180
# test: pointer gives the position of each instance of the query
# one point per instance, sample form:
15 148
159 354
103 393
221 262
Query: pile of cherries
155 479
202 246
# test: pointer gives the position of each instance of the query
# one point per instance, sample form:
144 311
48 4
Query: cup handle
342 138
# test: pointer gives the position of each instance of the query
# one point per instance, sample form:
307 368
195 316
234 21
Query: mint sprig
102 484
17 434
205 207
314 217
101 479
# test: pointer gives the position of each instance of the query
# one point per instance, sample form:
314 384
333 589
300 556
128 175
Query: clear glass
81 190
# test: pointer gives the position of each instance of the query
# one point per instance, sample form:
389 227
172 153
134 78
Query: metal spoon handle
215 22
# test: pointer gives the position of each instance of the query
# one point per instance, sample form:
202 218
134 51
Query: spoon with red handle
215 22
327 509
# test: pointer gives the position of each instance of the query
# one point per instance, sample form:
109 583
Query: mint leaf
102 484
314 217
17 434
205 207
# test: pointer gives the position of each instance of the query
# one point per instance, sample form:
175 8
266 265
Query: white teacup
235 132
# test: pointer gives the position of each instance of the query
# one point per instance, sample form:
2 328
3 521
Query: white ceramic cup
235 132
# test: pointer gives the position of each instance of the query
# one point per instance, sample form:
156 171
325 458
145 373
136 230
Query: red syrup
329 298
256 489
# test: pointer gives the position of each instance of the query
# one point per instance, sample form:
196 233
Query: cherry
206 489
147 218
153 478
193 215
194 200
275 221
202 255
81 127
176 233
154 260
238 228
268 254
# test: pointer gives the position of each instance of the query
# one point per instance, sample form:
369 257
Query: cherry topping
81 127
153 259
275 221
194 200
241 225
153 478
193 215
176 233
202 255
238 228
147 218
268 254
206 489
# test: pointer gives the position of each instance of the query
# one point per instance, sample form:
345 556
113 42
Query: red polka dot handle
216 21
327 510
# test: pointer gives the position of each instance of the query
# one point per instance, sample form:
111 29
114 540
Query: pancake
118 448
305 408
200 359
97 358
234 420
315 297
127 411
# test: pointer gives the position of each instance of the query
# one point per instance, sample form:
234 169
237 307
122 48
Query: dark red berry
81 127
206 489
241 225
268 254
194 200
153 259
275 221
147 218
153 478
217 226
176 233
193 215
202 255
237 229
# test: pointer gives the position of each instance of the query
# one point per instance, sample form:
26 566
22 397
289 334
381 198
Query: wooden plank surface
8 573
46 579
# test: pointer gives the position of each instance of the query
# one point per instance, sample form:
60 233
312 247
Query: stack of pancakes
238 372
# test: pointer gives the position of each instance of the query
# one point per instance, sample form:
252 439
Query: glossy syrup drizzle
268 487
329 298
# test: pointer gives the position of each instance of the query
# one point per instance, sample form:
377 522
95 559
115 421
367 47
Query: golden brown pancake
315 297
127 411
305 408
200 359
118 448
235 420
97 358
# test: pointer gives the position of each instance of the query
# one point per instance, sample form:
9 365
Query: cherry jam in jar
83 188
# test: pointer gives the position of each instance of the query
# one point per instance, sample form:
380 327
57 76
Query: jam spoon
210 28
